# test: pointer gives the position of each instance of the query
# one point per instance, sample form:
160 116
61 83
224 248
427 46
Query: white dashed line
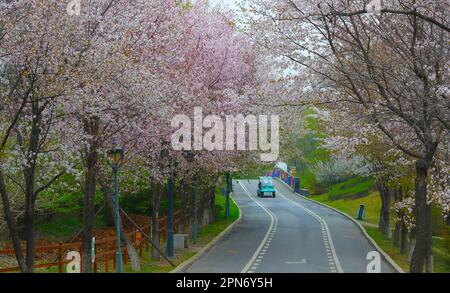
265 243
333 261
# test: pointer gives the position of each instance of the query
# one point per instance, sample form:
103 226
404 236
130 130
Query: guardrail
105 249
287 178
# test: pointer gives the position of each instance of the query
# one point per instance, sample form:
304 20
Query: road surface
287 234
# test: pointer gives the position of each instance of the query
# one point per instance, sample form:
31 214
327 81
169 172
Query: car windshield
266 182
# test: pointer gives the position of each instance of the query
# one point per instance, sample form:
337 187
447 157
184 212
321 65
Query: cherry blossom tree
392 69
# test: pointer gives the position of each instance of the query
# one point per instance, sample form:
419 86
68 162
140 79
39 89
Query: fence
105 249
290 180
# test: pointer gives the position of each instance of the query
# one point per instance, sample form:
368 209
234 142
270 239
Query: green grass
63 227
440 253
353 188
351 206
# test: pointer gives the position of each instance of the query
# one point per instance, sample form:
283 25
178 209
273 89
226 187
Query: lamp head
115 156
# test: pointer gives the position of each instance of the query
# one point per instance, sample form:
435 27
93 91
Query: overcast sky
229 3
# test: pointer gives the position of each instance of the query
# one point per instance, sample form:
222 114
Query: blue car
265 186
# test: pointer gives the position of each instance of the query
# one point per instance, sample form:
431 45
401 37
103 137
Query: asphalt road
287 234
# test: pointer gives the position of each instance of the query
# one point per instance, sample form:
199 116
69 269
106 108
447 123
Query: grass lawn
352 188
64 227
351 206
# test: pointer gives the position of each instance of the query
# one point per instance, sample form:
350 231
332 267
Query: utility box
180 241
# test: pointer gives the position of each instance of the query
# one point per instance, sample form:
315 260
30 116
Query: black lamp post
170 210
227 198
195 226
229 185
115 158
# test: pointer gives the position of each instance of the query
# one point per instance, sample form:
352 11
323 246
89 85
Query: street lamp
195 226
170 220
229 183
115 158
227 199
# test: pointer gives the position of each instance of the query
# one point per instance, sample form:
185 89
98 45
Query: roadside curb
383 253
187 263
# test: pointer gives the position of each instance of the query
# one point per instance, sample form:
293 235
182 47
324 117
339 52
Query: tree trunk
384 224
397 234
12 225
412 244
30 233
193 208
29 174
423 233
192 211
91 127
201 209
108 213
88 211
399 225
212 205
403 238
156 204
183 204
429 263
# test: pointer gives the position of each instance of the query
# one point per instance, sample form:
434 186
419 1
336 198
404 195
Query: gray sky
229 3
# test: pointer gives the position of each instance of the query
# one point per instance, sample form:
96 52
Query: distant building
282 165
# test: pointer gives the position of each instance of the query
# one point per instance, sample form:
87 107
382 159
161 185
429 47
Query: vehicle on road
265 186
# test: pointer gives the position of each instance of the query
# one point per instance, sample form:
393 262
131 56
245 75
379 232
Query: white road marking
327 237
273 224
303 261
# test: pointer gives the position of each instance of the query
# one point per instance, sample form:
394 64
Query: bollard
297 185
227 195
361 212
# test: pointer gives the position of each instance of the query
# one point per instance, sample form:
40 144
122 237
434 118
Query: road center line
273 223
325 228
